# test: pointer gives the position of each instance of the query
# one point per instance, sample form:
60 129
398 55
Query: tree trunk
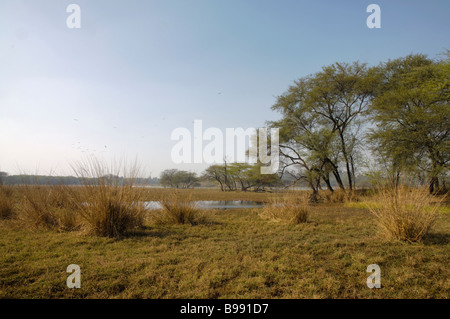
221 184
352 164
326 179
347 163
434 184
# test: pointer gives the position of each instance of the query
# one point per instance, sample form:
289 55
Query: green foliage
321 116
178 179
240 176
412 112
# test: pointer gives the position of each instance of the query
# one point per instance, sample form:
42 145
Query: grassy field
151 194
235 254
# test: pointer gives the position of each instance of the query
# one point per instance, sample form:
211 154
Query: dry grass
37 209
47 207
179 209
340 196
291 208
108 205
337 196
6 202
404 213
196 194
238 256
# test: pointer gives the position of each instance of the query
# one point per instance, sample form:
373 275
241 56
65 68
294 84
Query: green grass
237 255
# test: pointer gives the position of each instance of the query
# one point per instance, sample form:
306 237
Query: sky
134 71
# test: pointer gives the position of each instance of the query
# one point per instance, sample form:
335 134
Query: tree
260 181
178 179
215 173
322 114
185 179
412 113
243 176
167 177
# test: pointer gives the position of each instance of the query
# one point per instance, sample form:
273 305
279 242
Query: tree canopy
399 110
412 112
321 119
178 178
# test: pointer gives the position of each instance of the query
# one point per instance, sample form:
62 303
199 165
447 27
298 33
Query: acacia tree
340 95
178 179
320 123
215 173
412 113
243 176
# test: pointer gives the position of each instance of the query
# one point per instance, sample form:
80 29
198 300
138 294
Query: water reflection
214 204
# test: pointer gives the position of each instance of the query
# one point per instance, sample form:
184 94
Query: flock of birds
79 147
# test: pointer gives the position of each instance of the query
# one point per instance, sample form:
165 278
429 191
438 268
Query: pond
215 204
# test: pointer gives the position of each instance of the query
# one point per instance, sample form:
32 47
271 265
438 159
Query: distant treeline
6 179
65 180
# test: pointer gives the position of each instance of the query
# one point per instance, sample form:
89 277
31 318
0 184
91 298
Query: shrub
404 213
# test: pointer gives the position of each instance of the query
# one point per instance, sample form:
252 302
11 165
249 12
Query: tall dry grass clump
178 209
48 207
66 210
341 196
36 210
107 200
291 208
338 196
6 202
405 213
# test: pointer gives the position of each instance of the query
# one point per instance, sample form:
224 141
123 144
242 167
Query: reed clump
36 210
289 208
405 213
107 202
179 209
341 197
6 202
47 207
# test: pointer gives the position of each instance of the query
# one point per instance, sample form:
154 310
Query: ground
236 254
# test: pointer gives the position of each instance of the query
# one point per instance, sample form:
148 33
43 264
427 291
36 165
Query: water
215 204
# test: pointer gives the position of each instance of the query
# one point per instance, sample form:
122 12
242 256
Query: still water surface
215 204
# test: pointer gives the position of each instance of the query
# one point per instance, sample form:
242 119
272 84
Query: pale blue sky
136 70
